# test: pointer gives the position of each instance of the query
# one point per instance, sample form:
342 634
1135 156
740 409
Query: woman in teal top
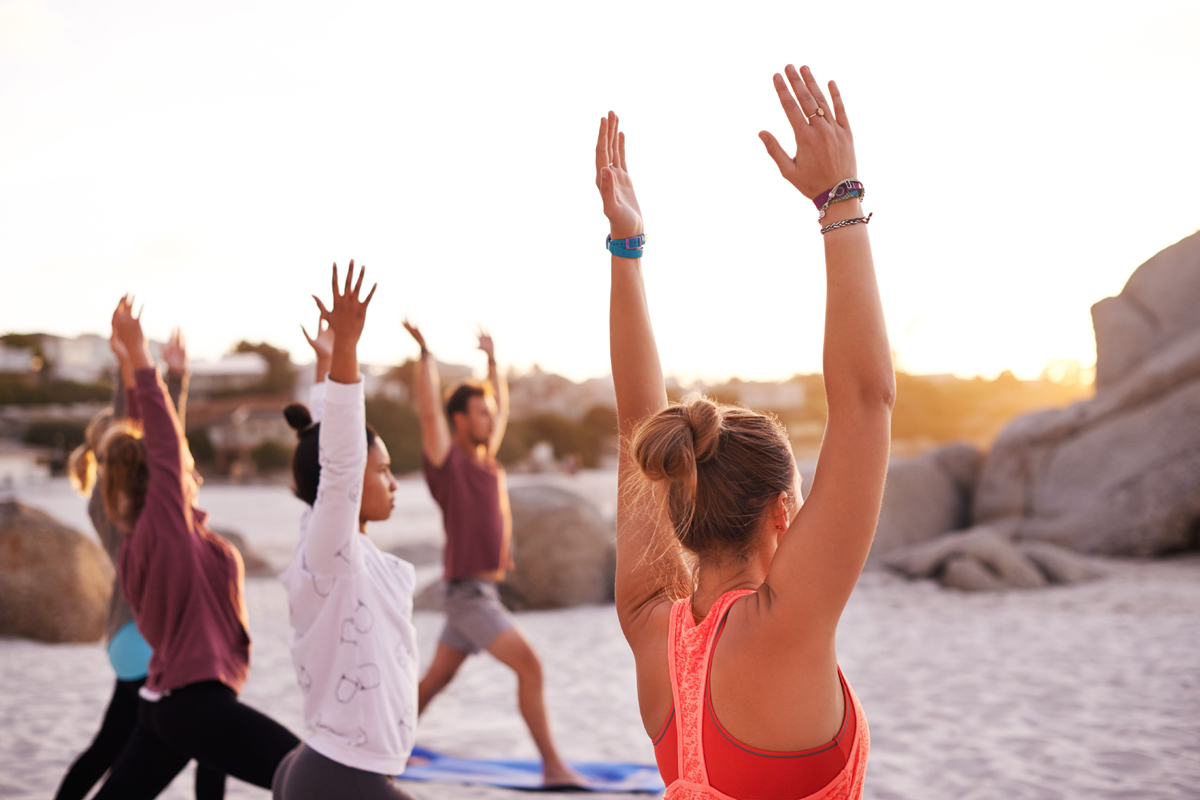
128 652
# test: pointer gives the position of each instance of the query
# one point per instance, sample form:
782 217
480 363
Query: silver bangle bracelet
845 222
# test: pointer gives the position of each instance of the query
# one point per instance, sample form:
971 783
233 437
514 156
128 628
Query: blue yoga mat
527 774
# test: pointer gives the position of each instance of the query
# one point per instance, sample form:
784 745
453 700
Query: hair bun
298 417
704 418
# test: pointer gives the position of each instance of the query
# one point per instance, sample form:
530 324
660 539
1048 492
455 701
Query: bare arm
824 549
322 345
642 577
175 354
499 391
435 430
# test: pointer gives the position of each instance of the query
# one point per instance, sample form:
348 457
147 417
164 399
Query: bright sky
1021 160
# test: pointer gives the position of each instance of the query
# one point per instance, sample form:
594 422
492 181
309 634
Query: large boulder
55 583
564 550
1118 474
925 497
1159 304
1115 475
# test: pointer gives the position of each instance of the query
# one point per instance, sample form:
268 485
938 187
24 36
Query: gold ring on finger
820 112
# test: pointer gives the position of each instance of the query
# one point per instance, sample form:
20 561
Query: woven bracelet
845 222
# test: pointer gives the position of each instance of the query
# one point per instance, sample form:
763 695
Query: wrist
840 211
139 358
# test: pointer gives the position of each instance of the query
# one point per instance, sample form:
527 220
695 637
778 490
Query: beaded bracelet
845 222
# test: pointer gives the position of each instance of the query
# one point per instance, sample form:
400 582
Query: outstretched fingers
814 89
621 151
808 103
362 271
370 294
777 153
794 113
349 277
838 107
602 148
320 305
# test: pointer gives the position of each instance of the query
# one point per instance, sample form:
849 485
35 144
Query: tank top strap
689 647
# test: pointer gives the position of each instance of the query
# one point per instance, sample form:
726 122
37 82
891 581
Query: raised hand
824 144
486 345
346 320
415 332
175 352
613 181
127 333
322 343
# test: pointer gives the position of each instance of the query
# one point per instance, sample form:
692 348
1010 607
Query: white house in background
21 465
15 360
230 374
84 359
770 395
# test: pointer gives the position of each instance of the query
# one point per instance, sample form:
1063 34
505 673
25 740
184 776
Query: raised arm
435 430
175 354
499 391
163 435
333 527
824 549
645 569
322 346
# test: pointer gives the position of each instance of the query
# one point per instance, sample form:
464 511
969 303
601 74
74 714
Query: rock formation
564 550
1118 474
55 583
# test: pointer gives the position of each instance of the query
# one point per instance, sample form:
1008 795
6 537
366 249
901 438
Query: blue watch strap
626 248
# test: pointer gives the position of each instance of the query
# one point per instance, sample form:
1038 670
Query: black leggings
119 721
203 721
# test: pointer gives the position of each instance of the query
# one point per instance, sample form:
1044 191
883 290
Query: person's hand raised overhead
175 352
415 332
486 344
322 345
824 143
613 181
127 331
346 320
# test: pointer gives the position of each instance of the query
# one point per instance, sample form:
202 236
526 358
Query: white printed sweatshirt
353 642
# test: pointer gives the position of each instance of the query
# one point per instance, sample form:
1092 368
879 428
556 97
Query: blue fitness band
626 248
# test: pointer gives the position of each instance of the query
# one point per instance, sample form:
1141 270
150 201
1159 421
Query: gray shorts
474 615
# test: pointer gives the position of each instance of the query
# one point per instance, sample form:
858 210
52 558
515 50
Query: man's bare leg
446 662
514 651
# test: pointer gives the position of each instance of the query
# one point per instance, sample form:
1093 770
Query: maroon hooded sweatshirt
183 582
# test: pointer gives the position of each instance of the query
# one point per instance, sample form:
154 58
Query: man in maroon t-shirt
459 459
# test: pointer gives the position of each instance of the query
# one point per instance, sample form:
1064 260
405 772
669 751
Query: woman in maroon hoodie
184 584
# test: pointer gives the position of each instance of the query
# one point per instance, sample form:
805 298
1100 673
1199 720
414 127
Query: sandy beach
1085 691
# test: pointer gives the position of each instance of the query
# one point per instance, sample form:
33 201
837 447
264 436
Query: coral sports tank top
700 760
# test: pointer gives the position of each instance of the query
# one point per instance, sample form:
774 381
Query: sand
1088 691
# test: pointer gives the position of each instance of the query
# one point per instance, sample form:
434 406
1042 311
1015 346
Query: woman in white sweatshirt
354 645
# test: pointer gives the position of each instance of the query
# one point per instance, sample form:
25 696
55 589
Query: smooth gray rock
970 575
55 583
925 497
1115 475
1060 565
564 550
989 546
1159 304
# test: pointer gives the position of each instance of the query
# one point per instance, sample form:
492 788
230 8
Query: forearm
637 372
343 457
322 369
857 357
427 389
344 365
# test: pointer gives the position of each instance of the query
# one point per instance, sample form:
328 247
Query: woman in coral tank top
729 590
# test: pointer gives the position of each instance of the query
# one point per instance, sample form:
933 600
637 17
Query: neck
464 443
716 577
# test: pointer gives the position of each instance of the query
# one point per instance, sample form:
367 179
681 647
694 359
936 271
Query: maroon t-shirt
474 501
183 582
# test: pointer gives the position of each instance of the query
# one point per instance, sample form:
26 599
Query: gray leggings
305 774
